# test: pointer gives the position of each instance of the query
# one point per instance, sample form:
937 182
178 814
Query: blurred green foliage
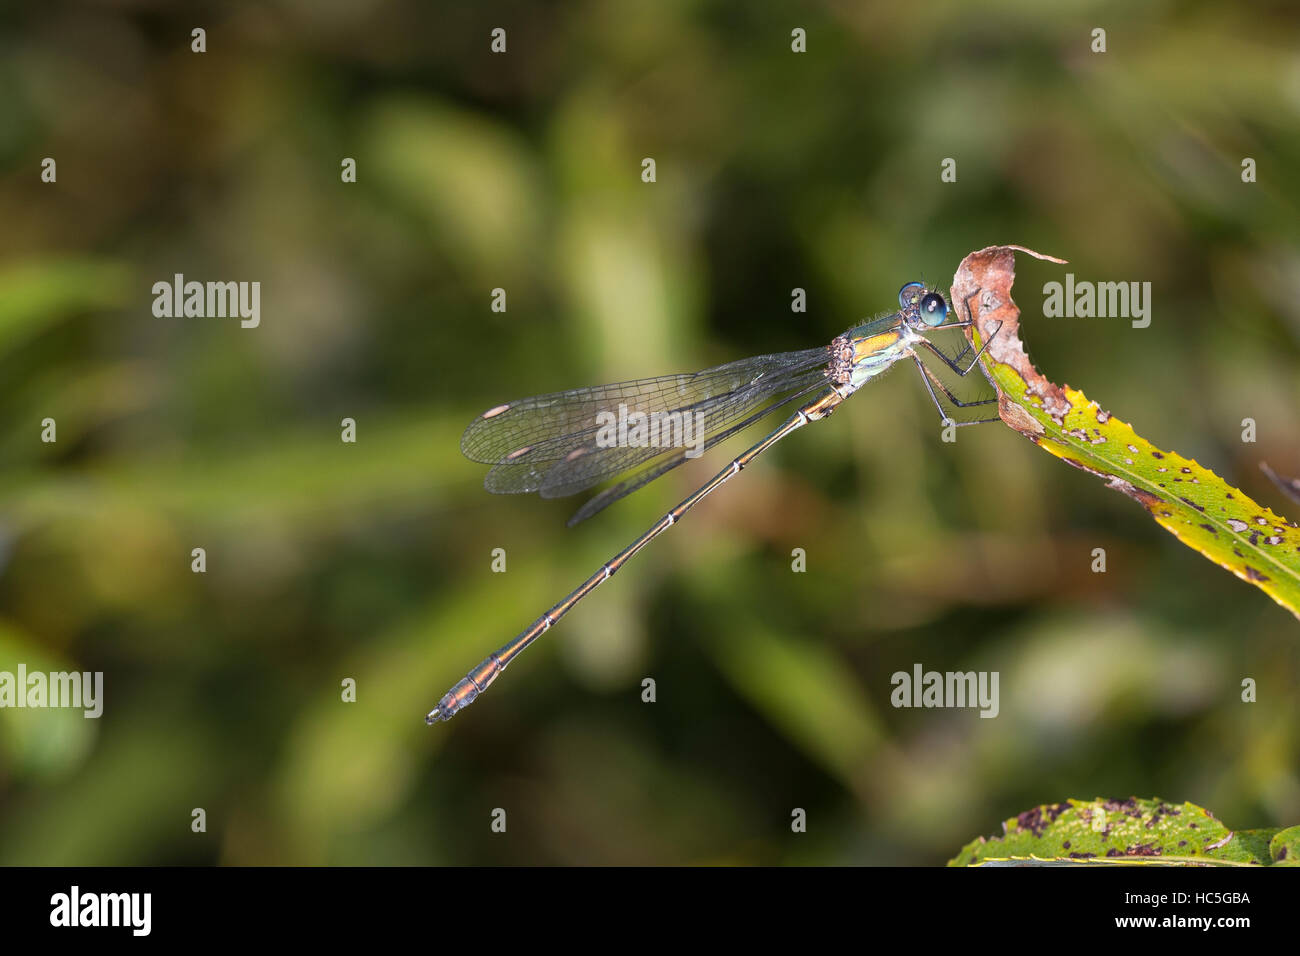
522 171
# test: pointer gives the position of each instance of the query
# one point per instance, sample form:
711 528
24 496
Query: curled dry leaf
1196 505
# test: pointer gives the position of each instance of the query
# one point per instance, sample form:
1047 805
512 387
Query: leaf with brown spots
1132 831
1202 510
1284 847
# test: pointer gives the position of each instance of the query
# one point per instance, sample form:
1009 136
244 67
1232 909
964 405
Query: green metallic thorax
877 345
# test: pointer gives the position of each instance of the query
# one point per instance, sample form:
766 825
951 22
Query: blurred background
522 171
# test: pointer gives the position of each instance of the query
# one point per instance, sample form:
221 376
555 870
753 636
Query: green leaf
1131 831
1202 510
1284 847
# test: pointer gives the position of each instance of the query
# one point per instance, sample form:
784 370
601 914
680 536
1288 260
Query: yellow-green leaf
1132 831
1202 510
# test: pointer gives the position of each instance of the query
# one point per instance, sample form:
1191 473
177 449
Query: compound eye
933 309
910 294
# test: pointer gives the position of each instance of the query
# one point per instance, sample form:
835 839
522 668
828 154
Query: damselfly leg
930 380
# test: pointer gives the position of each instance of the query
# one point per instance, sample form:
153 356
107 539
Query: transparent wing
562 443
598 503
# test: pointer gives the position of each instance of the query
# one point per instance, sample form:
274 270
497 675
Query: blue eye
907 295
933 309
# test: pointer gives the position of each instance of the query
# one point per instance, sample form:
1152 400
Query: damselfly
565 442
